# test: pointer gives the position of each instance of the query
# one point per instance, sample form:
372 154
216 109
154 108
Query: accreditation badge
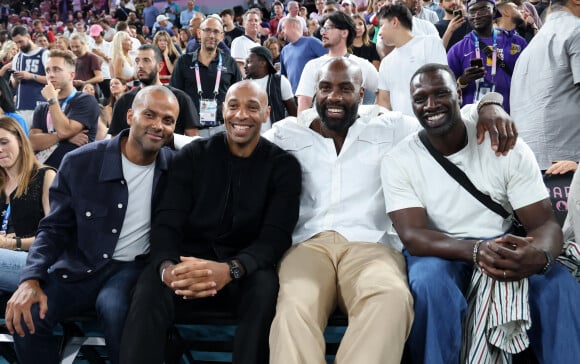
208 112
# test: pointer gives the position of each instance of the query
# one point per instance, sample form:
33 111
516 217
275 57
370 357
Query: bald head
142 96
250 89
341 65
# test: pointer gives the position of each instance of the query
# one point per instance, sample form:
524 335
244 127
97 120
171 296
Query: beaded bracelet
476 250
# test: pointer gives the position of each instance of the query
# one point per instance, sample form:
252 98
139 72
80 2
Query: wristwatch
52 101
235 270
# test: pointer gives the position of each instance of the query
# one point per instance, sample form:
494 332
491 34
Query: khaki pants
368 281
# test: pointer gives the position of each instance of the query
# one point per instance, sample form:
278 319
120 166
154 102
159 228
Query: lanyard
5 220
217 78
49 126
493 54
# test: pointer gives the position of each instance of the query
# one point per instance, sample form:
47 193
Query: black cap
267 55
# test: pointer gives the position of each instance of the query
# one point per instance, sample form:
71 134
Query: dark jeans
155 307
438 288
107 293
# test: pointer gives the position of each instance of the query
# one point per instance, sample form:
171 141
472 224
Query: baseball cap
266 54
161 18
95 30
347 1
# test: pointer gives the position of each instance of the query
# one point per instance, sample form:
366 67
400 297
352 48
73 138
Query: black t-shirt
231 35
368 52
188 116
458 35
83 108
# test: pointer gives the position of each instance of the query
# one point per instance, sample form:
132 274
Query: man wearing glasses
205 75
484 60
338 32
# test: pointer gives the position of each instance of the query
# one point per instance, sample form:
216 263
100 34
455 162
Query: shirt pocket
372 144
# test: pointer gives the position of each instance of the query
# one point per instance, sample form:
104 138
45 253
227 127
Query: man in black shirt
453 27
148 64
209 93
224 222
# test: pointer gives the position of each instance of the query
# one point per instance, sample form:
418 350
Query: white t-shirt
424 27
398 67
412 178
241 46
307 84
104 47
134 236
286 91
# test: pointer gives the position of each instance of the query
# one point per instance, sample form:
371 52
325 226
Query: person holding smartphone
453 27
497 49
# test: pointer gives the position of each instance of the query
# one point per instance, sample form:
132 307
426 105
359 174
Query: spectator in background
108 31
122 65
278 15
172 11
298 50
62 43
348 7
7 107
313 26
546 87
38 29
454 26
87 65
410 53
475 80
186 14
274 46
163 41
24 184
241 45
362 45
231 30
260 68
162 23
183 38
117 88
29 76
150 13
293 7
42 41
102 49
7 52
318 14
68 119
433 6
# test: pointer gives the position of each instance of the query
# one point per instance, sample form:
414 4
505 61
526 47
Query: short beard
350 117
26 48
149 79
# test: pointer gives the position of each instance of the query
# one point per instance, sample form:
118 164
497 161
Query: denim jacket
88 201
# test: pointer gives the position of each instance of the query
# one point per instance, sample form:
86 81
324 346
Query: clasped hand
510 258
196 278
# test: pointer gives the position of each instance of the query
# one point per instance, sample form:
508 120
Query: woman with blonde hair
362 45
8 51
163 42
24 184
62 43
122 66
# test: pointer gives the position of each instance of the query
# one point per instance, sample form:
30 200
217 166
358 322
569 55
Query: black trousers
155 307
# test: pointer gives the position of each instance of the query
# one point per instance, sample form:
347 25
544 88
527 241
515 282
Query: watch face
236 273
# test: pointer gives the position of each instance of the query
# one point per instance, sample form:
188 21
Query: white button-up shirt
343 192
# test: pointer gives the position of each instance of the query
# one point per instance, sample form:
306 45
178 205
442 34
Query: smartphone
457 13
476 62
